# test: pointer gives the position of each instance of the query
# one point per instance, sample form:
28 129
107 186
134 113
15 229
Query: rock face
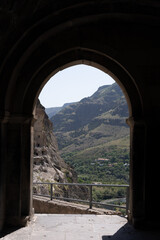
48 166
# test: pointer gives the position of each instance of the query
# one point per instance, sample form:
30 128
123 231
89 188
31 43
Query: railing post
51 191
127 201
90 196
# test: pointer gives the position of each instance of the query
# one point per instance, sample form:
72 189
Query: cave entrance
88 111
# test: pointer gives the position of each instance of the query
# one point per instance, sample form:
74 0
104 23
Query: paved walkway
78 227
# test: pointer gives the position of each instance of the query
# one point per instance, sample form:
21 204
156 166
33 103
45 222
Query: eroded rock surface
48 166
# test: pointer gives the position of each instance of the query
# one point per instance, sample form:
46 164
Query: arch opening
32 82
28 91
109 163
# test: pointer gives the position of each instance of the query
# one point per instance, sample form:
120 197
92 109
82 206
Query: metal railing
90 201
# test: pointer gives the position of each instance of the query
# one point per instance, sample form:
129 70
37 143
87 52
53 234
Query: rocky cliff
48 166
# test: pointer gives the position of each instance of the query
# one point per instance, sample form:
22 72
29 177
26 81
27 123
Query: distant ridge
54 110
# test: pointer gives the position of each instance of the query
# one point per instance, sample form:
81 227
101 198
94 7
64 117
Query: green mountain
95 128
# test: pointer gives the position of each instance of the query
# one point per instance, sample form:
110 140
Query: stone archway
109 39
25 120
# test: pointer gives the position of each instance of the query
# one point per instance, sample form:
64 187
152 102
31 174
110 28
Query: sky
72 84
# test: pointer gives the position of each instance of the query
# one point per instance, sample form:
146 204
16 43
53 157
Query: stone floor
78 227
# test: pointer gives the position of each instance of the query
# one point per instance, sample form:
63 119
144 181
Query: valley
95 128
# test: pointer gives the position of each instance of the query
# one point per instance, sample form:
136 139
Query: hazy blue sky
72 84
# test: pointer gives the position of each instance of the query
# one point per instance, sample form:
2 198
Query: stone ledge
44 205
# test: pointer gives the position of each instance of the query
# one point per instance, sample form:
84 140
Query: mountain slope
95 128
92 121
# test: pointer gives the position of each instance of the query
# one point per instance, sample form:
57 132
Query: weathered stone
48 166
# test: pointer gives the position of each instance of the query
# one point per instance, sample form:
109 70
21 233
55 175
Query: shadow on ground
7 231
127 232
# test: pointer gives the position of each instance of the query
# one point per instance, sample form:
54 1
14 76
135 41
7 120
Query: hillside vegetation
95 128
